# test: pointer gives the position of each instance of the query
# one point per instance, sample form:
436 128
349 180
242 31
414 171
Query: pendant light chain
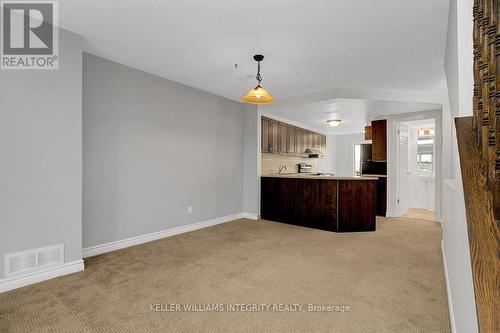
259 77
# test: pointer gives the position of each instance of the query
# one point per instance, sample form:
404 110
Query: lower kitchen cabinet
357 207
316 204
278 198
381 196
326 204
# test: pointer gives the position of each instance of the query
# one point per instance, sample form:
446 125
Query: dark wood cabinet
322 145
381 196
368 132
316 204
379 140
305 138
290 138
306 197
274 140
316 140
308 139
325 215
278 192
264 135
356 206
286 139
300 141
270 135
304 202
324 204
377 132
283 138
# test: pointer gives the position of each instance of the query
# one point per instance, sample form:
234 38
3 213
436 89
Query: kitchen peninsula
333 203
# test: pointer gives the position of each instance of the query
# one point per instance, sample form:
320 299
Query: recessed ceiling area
354 113
308 46
424 123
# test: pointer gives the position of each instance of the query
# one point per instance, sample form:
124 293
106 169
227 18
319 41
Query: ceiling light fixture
258 95
334 122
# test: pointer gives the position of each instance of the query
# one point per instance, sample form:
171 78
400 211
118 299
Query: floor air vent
20 263
29 261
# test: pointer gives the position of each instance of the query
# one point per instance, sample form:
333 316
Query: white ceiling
309 46
353 113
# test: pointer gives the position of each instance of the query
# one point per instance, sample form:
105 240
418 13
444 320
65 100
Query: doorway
417 169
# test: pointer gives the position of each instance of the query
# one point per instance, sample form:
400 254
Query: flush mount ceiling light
334 122
258 95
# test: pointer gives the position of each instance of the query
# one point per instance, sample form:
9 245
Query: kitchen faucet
281 168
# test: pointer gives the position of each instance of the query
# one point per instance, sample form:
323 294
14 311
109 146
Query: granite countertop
313 176
373 175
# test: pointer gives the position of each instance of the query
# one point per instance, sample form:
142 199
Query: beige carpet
421 214
392 279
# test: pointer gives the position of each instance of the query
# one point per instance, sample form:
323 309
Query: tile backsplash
270 163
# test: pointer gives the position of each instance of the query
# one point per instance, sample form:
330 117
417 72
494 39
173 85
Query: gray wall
41 155
250 160
151 148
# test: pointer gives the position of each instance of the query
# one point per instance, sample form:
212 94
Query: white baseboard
450 304
120 244
250 216
42 275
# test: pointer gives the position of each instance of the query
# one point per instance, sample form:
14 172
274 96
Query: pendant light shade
258 95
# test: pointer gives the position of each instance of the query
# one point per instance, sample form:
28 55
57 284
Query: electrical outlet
190 209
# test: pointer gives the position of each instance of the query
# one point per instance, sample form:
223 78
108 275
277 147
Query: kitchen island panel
322 203
316 203
357 206
278 199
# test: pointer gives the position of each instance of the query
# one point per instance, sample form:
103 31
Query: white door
404 172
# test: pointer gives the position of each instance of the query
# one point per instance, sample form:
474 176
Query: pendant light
258 95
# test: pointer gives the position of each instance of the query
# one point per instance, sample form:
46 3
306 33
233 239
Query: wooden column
486 114
479 147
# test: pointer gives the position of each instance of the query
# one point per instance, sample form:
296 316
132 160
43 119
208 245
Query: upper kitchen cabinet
368 132
309 140
290 138
379 140
286 138
300 141
264 135
322 145
316 140
283 138
270 136
274 139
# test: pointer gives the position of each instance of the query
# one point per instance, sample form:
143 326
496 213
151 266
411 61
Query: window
424 162
425 151
357 160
